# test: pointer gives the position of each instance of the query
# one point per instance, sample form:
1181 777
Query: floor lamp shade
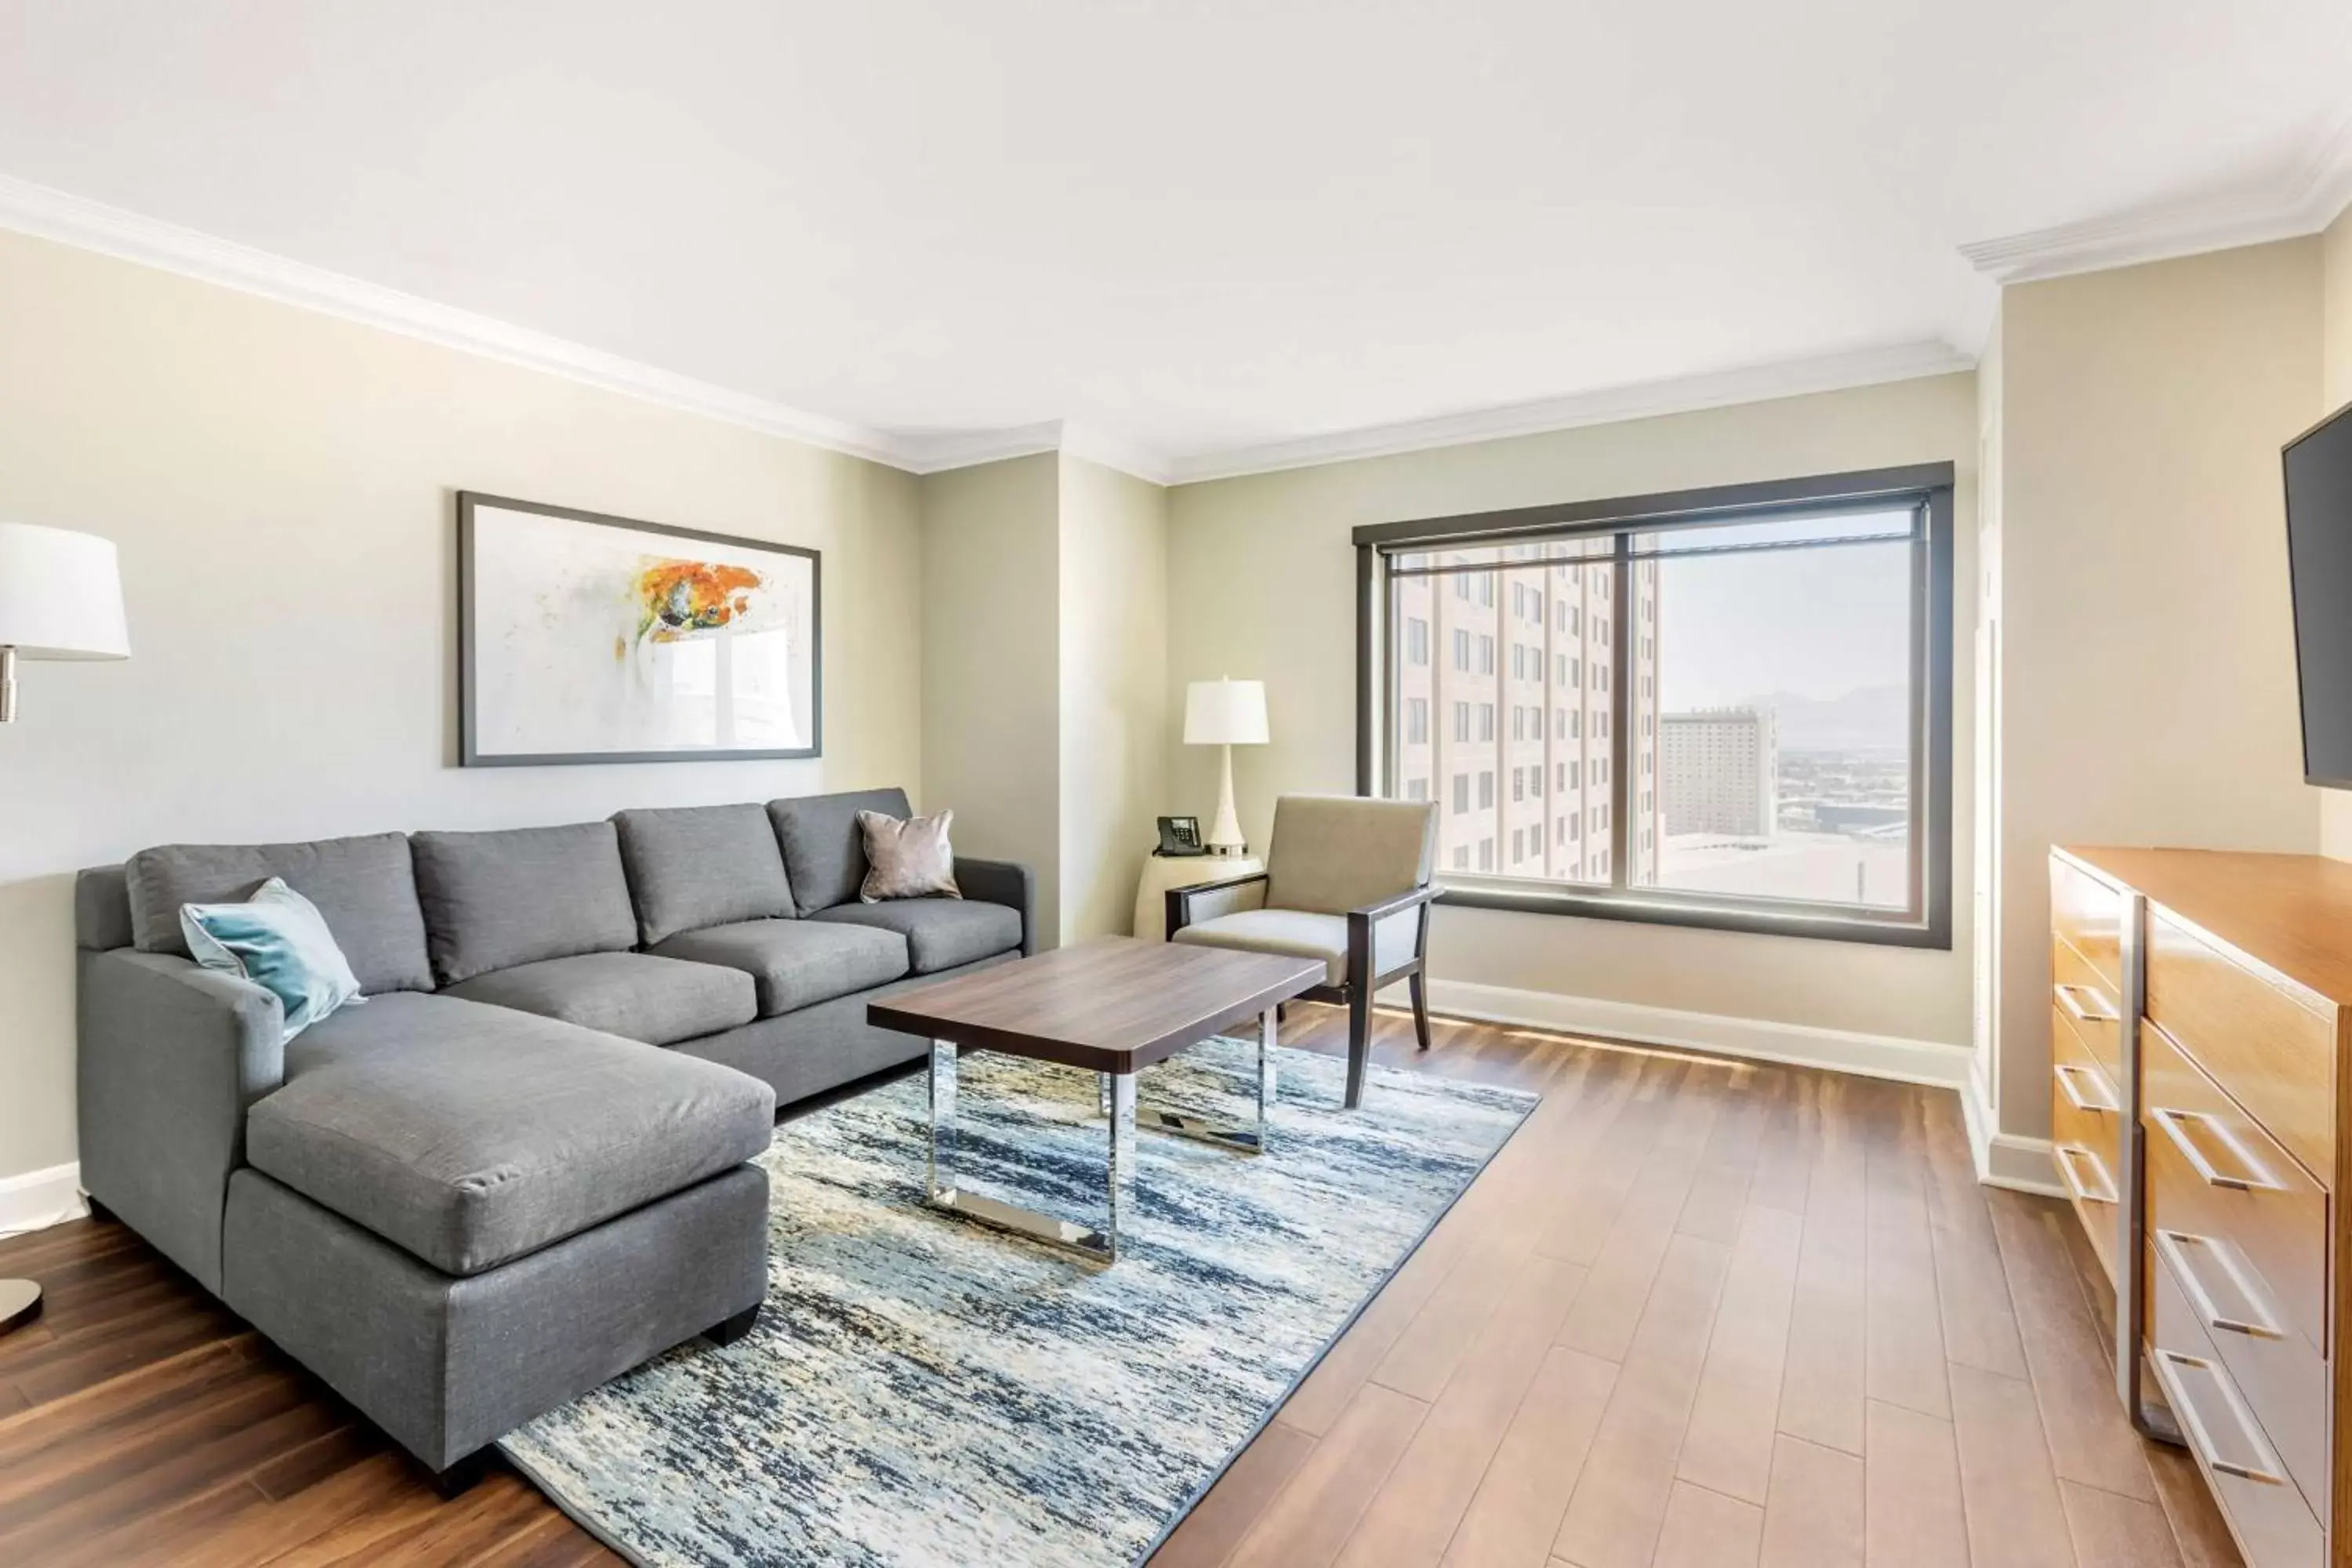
60 597
1226 714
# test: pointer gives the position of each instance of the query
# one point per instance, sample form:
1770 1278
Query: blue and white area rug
923 1390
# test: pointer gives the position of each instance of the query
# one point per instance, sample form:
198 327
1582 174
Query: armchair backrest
1333 853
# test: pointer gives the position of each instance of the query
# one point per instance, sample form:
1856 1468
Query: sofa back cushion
496 899
365 887
825 849
697 866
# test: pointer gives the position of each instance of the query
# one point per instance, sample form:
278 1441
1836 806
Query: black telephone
1180 836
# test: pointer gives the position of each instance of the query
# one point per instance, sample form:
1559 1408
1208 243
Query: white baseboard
2004 1159
1797 1045
38 1199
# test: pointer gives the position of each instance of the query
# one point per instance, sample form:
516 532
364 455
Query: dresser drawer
2088 1002
2265 1508
2211 1172
2252 1034
2089 914
2085 1138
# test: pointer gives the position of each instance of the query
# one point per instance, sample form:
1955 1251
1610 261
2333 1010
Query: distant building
1507 687
1722 768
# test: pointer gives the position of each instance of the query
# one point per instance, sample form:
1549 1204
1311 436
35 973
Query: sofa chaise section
458 1215
522 1163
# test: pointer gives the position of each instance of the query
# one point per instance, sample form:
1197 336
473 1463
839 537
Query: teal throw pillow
279 941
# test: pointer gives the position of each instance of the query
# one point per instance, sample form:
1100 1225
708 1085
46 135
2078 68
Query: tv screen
2319 558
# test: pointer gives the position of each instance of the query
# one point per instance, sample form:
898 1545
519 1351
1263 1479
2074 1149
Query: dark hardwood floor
1697 1313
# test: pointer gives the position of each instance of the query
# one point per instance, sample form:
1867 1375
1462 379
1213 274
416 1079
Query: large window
1729 707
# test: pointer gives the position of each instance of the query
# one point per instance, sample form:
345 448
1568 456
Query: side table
1161 872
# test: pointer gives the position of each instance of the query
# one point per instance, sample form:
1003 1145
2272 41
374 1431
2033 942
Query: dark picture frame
471 752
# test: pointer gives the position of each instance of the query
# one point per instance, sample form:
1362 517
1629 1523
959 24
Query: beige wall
2336 316
1114 691
279 483
1262 574
2148 692
991 672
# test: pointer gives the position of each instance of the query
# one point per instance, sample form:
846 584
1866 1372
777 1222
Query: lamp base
20 1303
1226 831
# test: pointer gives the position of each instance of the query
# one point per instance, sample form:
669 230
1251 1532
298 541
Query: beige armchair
1347 880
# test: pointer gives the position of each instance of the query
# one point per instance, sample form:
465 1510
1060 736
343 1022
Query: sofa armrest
171 1056
1001 882
1207 901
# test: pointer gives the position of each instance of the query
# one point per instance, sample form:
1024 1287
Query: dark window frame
1927 487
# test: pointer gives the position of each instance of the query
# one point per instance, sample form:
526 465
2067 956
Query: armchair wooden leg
1419 985
1360 1041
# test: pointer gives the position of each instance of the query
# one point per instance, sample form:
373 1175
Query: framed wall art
586 638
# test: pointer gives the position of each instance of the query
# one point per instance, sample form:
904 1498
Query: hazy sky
1819 622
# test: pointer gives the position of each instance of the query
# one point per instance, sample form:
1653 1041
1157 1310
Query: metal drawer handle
2067 1154
2175 1246
2097 1010
2067 1073
2174 1124
2264 1468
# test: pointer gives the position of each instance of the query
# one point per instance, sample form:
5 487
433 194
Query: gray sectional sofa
521 1166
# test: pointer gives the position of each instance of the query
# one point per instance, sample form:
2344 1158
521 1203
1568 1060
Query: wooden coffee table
1112 1006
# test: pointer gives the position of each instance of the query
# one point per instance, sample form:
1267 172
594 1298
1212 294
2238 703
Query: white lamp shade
60 595
1225 713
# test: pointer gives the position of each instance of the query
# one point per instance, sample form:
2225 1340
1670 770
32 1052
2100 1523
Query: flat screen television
2320 562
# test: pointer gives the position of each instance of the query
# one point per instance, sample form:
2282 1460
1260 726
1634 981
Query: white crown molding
1110 449
69 220
937 451
2304 199
1608 405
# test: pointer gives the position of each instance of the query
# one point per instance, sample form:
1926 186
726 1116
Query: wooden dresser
2199 1117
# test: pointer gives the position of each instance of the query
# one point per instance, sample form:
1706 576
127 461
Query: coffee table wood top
1114 1004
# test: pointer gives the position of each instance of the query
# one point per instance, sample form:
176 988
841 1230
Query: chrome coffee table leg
1250 1139
1119 1090
1068 1235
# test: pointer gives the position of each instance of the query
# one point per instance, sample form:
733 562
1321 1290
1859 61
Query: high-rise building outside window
1779 736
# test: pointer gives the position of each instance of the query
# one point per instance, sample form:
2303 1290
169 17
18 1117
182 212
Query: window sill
1694 915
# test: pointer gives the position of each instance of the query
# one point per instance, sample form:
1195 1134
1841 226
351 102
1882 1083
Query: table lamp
60 597
1226 714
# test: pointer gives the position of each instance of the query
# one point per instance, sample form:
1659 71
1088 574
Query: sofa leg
727 1330
99 1212
1420 988
1360 1041
460 1478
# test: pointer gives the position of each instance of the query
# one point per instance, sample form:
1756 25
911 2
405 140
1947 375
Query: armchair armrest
1207 901
171 1056
1428 893
1001 882
1363 954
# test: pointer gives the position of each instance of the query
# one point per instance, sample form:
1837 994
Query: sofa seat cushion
796 964
635 995
468 1135
941 933
1299 933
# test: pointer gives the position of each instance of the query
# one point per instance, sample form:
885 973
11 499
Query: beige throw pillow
907 859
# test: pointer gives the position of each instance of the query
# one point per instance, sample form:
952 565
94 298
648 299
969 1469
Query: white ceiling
1202 227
